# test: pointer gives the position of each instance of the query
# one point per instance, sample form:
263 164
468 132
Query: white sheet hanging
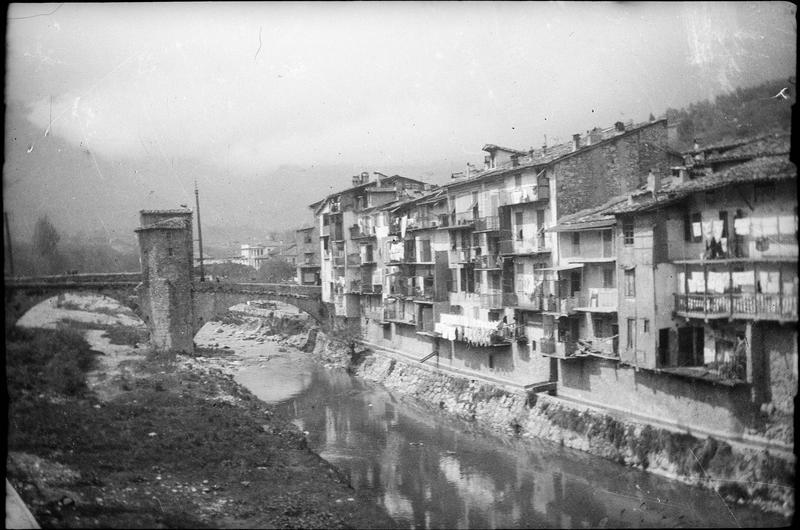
741 227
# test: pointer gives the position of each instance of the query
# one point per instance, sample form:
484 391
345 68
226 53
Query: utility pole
199 231
8 244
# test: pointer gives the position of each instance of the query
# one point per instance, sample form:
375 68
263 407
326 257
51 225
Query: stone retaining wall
739 474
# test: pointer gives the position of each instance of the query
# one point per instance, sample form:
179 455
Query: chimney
356 180
364 177
696 144
514 160
576 142
653 182
487 162
594 136
619 126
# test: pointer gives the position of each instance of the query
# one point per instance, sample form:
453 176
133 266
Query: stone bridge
165 295
210 300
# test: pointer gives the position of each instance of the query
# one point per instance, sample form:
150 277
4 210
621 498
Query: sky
225 93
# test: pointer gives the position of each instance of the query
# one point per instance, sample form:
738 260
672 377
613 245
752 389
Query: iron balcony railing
605 297
488 262
510 245
524 194
396 314
556 348
487 224
523 301
564 305
462 255
356 232
738 305
491 300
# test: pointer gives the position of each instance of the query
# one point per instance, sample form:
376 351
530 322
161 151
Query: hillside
740 113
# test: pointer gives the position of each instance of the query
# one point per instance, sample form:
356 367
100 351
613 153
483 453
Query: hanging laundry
716 228
741 226
708 231
787 224
769 226
755 227
403 225
697 230
742 279
724 244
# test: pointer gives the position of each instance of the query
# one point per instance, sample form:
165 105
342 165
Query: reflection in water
431 471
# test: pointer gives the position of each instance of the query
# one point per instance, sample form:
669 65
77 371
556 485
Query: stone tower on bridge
166 297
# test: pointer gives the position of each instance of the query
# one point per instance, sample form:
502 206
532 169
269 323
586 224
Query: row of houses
613 270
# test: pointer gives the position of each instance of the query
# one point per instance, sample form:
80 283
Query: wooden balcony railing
738 305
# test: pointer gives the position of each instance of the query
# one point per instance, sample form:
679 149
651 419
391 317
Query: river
432 471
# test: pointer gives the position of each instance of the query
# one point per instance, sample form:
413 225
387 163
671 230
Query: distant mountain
83 192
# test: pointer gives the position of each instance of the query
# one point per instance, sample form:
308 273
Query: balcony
600 300
399 316
339 259
524 247
562 306
737 305
558 349
491 300
488 262
462 255
476 332
522 301
487 224
524 195
460 220
423 223
356 232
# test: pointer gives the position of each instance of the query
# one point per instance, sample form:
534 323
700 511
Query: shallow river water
431 471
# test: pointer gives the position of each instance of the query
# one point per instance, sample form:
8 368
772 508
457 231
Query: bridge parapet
287 290
100 278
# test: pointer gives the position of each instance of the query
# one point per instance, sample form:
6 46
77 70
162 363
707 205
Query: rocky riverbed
168 440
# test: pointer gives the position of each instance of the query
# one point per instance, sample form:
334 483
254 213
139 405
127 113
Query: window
517 181
627 232
646 325
169 251
387 332
520 268
630 342
630 283
518 224
576 243
491 361
608 278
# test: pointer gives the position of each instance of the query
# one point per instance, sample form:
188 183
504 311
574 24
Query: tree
45 247
276 270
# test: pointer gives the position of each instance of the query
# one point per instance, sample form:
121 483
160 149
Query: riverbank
157 441
740 475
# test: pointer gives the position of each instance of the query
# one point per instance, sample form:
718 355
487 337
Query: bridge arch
212 301
21 299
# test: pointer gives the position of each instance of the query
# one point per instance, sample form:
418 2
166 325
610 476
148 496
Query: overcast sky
248 87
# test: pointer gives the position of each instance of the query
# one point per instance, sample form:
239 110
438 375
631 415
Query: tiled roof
745 149
595 217
547 155
762 169
173 223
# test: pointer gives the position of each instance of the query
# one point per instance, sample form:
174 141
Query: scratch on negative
259 43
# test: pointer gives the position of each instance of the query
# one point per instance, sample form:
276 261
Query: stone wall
594 174
739 473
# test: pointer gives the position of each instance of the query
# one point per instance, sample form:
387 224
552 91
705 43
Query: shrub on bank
47 360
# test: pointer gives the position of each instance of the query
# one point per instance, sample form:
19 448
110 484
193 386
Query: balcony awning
585 225
566 267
